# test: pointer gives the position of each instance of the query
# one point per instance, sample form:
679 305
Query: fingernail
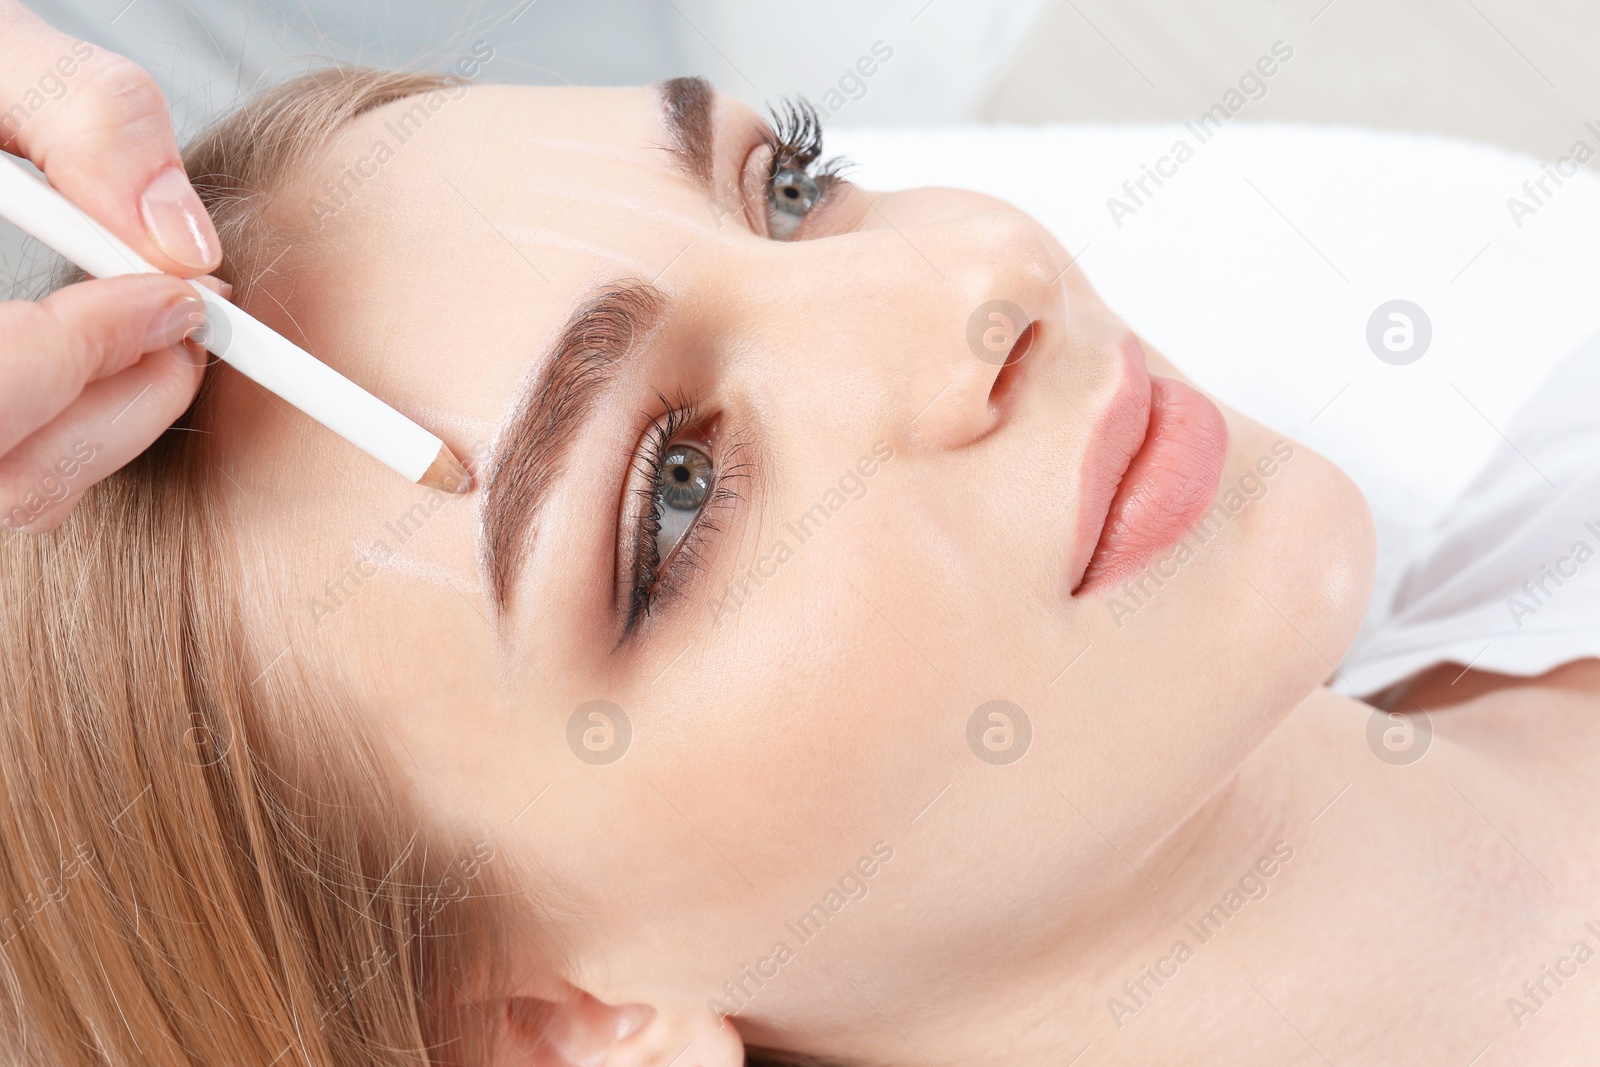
179 319
216 285
176 219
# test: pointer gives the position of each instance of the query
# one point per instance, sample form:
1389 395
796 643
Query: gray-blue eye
686 476
794 192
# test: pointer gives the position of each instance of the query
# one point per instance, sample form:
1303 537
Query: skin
829 713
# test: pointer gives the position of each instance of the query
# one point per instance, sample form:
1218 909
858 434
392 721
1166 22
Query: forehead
433 258
546 189
464 226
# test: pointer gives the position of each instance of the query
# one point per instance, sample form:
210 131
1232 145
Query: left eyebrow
686 113
532 452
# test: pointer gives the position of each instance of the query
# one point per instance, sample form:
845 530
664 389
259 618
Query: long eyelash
796 141
649 582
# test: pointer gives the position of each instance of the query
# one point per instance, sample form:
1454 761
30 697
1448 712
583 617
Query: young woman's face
762 527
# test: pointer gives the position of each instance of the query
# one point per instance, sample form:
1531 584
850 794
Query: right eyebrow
531 454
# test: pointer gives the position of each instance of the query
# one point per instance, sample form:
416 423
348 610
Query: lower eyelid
816 218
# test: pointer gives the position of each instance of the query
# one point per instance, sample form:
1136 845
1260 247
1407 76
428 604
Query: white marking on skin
598 149
537 237
468 430
626 203
386 559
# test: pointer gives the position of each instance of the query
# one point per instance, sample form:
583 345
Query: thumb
97 125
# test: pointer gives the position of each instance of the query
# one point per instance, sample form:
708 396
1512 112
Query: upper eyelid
607 333
753 201
638 483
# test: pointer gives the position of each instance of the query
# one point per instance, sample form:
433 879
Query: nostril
1006 379
1024 342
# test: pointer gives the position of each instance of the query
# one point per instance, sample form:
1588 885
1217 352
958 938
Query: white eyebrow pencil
252 348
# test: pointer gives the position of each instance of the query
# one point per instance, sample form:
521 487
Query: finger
51 349
58 514
217 285
114 420
97 125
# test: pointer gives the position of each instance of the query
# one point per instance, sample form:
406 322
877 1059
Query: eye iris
794 191
688 478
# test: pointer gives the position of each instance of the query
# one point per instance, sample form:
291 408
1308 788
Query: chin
1315 564
1285 596
1278 620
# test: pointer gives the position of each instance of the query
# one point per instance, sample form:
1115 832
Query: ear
568 1027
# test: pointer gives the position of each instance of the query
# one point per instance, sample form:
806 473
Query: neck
1309 884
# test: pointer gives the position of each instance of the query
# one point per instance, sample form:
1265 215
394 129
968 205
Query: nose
989 286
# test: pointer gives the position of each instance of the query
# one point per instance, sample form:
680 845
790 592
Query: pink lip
1152 470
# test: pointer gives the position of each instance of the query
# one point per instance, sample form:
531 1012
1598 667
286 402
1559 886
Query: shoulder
1551 721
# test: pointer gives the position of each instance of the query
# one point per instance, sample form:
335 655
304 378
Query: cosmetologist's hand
94 372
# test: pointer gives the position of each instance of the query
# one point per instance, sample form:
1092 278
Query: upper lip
1119 434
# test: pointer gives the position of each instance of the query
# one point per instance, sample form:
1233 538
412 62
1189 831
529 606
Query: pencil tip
446 473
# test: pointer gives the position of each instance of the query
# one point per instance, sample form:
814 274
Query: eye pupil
686 478
794 192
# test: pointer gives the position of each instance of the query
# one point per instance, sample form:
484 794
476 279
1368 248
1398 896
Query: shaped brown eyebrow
686 112
551 413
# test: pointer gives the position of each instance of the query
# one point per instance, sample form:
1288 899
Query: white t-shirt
1509 578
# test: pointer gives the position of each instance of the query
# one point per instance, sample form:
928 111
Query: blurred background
1518 73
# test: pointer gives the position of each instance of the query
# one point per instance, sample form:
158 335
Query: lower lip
1170 483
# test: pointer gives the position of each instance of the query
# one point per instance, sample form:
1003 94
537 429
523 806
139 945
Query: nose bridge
906 328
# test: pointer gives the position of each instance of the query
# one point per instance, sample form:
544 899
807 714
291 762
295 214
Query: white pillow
1256 266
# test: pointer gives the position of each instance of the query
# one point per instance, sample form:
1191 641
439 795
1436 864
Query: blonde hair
203 860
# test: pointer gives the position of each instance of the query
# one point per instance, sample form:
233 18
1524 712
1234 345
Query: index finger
97 125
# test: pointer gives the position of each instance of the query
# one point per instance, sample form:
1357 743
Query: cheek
819 689
792 736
